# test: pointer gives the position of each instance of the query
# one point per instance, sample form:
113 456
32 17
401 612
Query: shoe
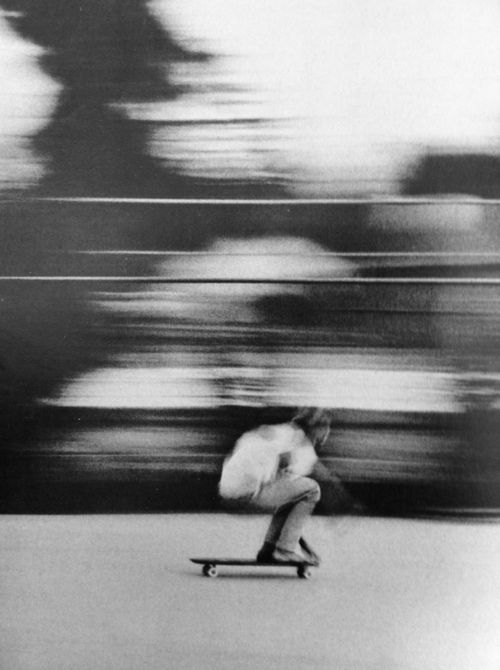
311 555
286 556
265 553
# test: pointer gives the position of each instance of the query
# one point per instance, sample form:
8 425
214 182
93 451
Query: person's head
315 422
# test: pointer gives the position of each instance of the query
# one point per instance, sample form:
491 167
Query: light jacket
264 454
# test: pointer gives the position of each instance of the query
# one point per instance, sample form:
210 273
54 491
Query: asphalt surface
119 593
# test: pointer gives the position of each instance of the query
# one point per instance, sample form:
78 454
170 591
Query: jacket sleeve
302 460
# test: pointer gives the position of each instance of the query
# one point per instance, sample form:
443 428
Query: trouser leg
296 518
276 526
292 499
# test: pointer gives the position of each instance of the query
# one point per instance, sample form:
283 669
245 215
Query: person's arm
335 495
303 459
321 473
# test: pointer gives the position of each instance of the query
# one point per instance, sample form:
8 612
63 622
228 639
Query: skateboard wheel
209 570
304 572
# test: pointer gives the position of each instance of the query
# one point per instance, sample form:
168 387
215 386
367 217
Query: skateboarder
268 471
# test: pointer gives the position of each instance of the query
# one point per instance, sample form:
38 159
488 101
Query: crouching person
268 470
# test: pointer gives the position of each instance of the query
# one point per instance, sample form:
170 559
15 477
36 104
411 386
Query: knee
314 491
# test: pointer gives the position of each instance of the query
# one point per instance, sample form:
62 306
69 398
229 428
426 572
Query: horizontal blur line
302 280
221 121
334 254
282 201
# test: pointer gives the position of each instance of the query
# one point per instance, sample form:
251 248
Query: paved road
118 593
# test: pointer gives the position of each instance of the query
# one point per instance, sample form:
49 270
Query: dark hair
308 417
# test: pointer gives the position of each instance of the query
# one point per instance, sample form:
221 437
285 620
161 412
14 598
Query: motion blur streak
408 362
211 213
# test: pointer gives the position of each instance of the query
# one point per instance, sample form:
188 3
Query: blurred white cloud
356 86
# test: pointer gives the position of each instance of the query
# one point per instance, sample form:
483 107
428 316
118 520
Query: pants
292 500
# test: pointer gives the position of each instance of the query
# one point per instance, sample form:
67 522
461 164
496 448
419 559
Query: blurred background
212 213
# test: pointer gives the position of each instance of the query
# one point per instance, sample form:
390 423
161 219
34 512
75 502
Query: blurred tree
106 53
103 53
473 174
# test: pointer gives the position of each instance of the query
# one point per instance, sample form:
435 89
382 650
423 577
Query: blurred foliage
102 53
472 174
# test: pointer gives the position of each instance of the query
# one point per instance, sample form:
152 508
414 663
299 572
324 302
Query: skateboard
210 565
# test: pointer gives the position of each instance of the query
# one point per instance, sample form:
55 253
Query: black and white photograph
249 334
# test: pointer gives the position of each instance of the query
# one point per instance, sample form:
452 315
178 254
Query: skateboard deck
209 569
